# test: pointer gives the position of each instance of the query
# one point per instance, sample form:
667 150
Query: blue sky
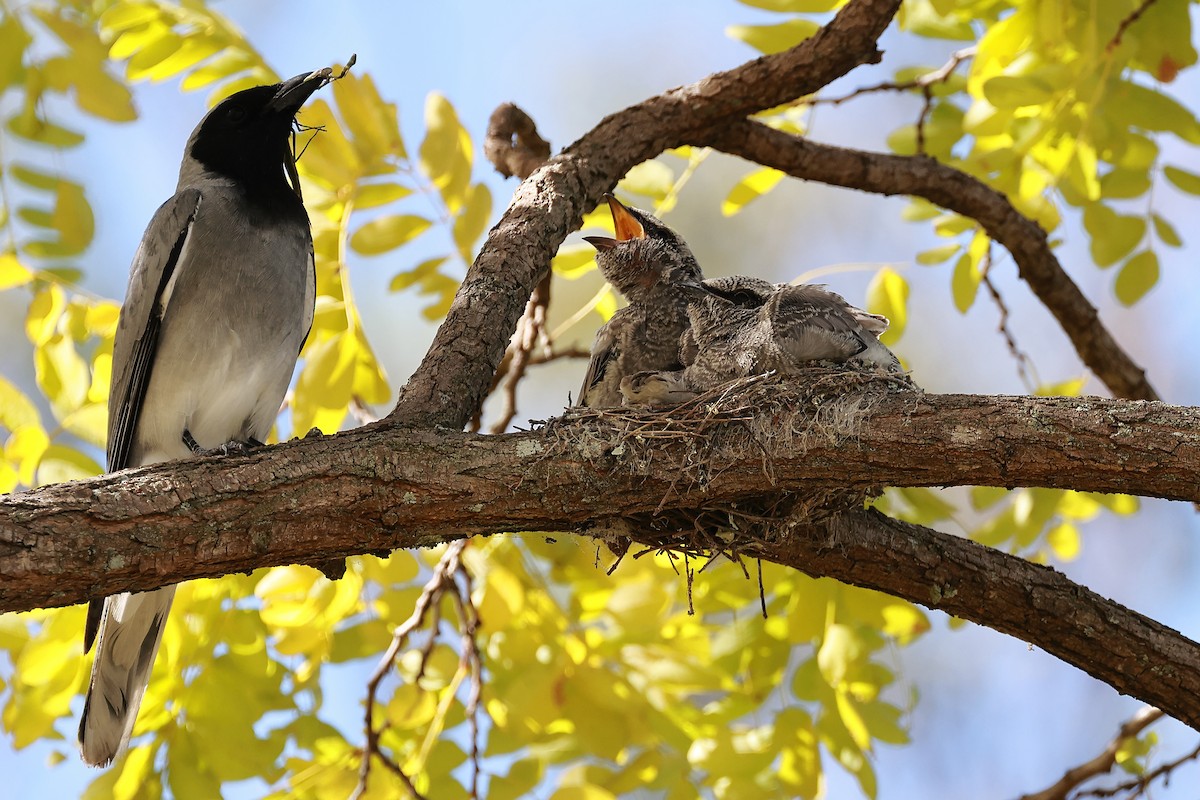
996 717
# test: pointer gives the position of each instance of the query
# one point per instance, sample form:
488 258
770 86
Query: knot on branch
513 144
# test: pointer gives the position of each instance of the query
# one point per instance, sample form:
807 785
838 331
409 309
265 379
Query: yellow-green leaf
16 410
774 38
388 233
888 295
378 194
445 154
1166 232
938 255
472 220
750 188
649 179
574 261
12 272
1184 181
1010 91
1137 276
964 284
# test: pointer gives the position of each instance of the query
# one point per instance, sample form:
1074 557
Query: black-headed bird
219 303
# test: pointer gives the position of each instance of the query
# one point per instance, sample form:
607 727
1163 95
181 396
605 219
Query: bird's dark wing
137 337
141 315
811 323
604 353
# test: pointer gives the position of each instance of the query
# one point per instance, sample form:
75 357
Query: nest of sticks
762 416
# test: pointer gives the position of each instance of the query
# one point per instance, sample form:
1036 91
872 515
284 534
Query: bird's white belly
217 391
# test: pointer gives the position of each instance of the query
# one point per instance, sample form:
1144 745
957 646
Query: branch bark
375 489
949 188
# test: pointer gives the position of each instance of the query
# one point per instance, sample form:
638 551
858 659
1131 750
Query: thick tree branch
450 383
374 489
1132 653
921 176
371 490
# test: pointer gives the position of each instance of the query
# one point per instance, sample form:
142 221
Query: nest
762 416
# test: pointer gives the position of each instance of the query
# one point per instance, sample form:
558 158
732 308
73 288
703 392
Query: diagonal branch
941 184
451 381
1102 763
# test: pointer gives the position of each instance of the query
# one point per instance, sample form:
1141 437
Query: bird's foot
234 447
653 388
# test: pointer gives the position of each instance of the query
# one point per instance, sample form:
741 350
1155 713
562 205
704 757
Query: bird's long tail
130 632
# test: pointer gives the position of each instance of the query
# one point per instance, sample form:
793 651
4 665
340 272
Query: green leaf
774 38
388 233
750 188
649 179
1164 230
964 284
1137 276
1010 91
1113 235
12 272
445 154
888 295
938 255
371 195
1184 181
472 220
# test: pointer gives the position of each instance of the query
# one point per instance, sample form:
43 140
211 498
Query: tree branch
947 187
451 381
375 489
1102 763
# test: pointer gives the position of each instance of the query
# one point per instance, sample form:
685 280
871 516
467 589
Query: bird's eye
235 114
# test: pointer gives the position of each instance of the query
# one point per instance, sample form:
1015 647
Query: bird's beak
601 242
625 223
293 92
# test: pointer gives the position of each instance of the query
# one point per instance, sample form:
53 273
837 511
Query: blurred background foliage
634 684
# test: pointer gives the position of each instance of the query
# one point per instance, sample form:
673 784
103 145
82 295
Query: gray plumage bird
646 262
744 329
219 303
741 326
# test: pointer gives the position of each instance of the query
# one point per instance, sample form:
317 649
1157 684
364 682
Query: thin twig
1115 42
1025 367
443 578
1102 763
1141 783
923 83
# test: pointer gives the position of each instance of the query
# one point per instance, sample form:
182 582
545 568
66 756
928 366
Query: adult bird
646 262
219 303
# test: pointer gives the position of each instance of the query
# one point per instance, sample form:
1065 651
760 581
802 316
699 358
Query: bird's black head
246 137
645 255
